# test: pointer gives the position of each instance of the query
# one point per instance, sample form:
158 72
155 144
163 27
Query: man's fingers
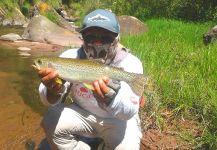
44 72
105 79
104 88
97 88
49 77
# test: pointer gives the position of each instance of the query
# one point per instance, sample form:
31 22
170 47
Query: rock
17 23
7 22
10 37
62 22
210 35
34 11
18 18
25 25
1 19
131 25
59 20
25 54
41 29
23 48
15 19
62 12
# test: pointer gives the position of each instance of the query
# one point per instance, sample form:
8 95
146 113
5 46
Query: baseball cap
101 18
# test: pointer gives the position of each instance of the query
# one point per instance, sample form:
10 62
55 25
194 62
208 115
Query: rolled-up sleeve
43 94
126 103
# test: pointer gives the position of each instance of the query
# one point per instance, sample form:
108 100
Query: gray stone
131 25
23 48
1 19
25 54
62 22
10 37
18 23
15 19
7 22
41 29
210 36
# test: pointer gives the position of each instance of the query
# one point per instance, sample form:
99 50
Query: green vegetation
193 10
8 4
6 7
183 69
51 16
196 10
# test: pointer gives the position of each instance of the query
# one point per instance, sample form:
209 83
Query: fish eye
39 61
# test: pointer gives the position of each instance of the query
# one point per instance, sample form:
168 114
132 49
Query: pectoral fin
59 81
89 86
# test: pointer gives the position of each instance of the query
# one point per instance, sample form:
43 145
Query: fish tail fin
137 84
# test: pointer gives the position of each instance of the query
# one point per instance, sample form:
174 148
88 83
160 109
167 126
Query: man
110 111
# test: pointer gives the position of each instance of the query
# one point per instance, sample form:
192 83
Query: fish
88 70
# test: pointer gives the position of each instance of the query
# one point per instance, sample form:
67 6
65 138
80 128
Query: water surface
21 110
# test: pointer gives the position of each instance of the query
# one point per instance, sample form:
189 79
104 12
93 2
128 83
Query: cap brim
98 26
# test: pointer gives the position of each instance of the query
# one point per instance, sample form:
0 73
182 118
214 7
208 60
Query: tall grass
184 70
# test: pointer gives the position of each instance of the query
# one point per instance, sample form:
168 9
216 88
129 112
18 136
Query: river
21 110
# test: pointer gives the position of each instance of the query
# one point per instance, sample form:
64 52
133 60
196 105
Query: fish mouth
36 66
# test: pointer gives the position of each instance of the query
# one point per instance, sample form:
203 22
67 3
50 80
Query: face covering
105 52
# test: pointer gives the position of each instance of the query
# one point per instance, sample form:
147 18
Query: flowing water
21 110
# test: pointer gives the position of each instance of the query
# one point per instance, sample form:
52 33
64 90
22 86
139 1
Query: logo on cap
98 18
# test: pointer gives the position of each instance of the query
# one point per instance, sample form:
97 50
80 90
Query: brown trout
87 71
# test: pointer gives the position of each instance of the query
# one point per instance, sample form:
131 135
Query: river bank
34 46
21 112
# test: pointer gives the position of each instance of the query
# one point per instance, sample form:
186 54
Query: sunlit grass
183 68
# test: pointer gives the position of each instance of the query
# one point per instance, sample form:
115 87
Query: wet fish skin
86 71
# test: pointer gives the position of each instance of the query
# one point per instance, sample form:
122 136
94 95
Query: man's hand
48 78
100 87
106 88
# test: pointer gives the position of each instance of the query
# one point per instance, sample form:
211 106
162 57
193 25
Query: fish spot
106 68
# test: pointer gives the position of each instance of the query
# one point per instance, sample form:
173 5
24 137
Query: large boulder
43 7
43 30
210 35
131 25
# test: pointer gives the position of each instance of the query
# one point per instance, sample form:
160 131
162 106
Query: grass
7 6
183 69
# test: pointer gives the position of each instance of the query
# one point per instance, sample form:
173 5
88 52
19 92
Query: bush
193 10
25 8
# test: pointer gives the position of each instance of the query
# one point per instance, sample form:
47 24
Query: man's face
97 42
98 36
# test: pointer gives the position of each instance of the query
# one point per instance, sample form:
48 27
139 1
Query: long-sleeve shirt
123 106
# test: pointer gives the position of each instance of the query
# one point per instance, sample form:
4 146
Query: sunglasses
103 38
